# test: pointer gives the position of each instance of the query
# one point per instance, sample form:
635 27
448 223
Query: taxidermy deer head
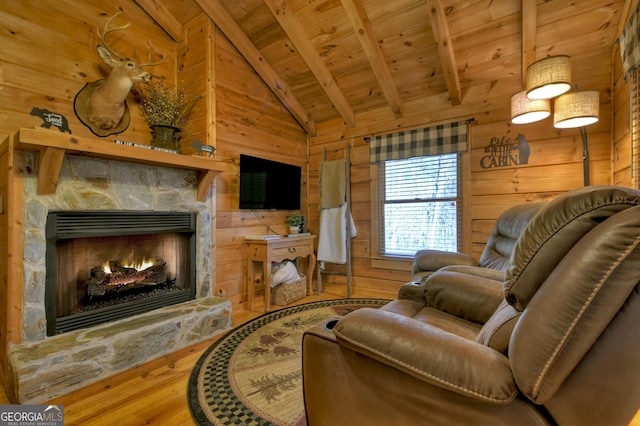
101 105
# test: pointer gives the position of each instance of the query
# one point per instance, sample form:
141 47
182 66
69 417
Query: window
419 204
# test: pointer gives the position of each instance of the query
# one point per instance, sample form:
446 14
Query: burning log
122 278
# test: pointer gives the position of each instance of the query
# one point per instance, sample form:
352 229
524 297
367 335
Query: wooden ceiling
328 59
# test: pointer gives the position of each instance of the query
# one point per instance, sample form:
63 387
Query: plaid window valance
630 43
437 140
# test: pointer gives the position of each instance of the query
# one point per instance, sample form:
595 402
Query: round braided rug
253 375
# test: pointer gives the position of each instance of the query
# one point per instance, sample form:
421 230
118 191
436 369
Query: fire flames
138 266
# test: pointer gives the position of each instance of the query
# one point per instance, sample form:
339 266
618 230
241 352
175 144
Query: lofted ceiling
332 59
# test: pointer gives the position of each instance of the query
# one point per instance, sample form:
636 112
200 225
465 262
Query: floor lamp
578 109
549 78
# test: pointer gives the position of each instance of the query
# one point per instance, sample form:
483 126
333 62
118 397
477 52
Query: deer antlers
101 105
107 30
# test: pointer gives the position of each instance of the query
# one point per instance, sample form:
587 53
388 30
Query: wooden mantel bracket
50 163
52 147
205 180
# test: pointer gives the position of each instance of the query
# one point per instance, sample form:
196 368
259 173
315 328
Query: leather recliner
496 253
559 345
459 267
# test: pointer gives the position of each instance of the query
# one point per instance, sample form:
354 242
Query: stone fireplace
52 360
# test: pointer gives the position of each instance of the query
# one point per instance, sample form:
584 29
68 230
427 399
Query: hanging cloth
333 184
336 225
630 43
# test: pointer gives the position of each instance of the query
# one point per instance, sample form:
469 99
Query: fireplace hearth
92 260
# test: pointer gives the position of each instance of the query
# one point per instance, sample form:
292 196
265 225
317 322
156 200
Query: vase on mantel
165 137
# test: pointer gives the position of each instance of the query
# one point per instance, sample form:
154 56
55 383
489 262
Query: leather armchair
558 344
496 253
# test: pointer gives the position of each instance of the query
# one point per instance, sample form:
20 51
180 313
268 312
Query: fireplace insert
103 266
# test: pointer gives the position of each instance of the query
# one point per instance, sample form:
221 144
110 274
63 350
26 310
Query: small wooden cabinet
263 252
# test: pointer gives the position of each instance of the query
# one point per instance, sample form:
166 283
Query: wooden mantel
53 145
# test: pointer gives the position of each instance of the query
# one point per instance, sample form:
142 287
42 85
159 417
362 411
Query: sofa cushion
505 233
554 230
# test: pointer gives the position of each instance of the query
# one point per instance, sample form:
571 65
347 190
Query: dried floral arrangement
165 106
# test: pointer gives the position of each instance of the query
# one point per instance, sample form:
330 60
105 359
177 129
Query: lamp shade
549 77
525 110
576 109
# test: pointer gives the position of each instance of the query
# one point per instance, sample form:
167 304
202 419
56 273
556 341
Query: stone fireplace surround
40 367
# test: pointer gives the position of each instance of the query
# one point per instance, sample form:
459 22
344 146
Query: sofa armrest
429 354
472 293
412 291
432 260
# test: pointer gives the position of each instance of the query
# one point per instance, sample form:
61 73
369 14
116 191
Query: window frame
464 221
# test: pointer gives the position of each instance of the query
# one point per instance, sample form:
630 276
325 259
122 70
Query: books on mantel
301 234
262 237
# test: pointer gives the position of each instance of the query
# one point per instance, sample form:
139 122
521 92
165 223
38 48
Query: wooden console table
263 252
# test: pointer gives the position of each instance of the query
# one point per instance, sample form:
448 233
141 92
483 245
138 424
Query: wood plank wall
48 53
250 120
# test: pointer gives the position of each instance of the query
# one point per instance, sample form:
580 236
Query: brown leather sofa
559 345
496 253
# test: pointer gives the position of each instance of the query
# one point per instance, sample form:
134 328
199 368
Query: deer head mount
101 105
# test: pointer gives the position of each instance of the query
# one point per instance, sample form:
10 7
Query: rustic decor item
202 148
288 292
165 137
101 105
164 107
51 119
253 374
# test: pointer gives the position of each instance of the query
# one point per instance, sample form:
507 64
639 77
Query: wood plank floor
156 393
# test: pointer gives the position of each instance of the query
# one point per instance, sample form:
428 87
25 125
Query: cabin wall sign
503 151
51 119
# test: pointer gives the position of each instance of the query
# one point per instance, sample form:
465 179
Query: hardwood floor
156 393
151 394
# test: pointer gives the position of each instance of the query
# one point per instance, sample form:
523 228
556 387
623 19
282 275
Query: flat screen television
269 185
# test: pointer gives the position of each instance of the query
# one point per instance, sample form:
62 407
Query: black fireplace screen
108 265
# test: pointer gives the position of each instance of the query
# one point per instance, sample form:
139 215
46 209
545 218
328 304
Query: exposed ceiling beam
625 14
362 26
219 15
445 50
529 31
159 13
294 30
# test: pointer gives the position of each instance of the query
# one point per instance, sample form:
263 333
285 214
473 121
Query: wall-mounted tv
269 185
